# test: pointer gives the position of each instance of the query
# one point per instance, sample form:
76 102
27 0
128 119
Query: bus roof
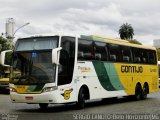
115 41
97 38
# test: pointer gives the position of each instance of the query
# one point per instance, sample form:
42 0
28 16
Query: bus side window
152 57
137 59
101 52
126 53
80 55
115 53
144 56
88 56
98 56
85 50
113 58
126 59
136 55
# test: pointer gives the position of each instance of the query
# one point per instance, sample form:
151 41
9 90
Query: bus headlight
48 89
12 89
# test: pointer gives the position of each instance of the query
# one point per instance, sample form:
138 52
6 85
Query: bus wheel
43 105
145 91
138 92
81 99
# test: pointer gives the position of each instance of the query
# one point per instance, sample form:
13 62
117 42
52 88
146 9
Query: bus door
65 70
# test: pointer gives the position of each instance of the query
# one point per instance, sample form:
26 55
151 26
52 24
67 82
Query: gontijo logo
131 69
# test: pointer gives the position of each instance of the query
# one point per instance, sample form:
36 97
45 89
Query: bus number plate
29 97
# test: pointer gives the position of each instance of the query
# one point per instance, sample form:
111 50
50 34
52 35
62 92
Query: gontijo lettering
131 69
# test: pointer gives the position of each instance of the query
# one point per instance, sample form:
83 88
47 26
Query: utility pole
20 28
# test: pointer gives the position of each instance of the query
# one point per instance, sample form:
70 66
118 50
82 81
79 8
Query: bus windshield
33 68
32 62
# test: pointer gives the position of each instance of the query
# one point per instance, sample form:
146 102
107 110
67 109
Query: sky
89 17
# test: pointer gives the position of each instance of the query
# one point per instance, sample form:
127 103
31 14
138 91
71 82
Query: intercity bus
67 69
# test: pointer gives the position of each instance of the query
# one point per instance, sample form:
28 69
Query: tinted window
85 50
126 54
100 51
152 57
136 55
144 56
115 53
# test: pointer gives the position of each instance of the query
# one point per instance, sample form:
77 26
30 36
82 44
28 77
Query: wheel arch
86 89
138 83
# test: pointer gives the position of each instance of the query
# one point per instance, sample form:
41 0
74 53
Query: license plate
29 97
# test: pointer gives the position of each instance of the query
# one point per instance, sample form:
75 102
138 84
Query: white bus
66 69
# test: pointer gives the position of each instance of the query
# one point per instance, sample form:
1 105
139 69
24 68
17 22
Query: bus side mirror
3 57
55 55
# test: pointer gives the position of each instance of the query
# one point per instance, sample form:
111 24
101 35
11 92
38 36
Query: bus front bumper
46 97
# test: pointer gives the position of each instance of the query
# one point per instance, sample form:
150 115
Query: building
156 43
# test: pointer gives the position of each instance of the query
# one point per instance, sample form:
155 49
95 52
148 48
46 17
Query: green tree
126 31
5 44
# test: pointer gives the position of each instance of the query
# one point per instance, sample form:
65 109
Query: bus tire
43 105
145 91
138 92
81 99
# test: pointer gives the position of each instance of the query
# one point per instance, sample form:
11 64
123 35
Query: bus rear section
114 68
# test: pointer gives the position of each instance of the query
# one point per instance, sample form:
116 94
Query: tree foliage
5 44
126 31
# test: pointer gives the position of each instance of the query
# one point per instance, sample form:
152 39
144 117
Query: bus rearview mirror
55 55
5 58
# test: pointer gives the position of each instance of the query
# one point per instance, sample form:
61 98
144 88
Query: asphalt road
118 109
